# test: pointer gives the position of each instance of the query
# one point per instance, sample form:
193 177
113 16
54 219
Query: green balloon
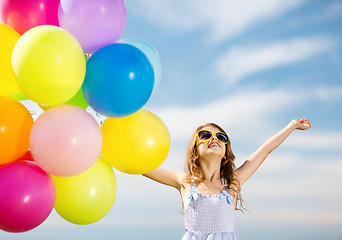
19 96
78 100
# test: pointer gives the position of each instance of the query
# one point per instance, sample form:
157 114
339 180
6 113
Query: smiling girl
210 187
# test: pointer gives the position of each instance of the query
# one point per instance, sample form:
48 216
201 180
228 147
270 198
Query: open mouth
214 144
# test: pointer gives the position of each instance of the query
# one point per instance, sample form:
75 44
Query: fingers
305 122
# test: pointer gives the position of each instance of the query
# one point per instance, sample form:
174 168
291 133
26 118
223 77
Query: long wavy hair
226 170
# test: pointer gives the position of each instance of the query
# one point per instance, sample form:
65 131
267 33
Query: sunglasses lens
222 137
204 135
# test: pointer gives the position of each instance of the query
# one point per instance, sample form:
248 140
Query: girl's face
211 147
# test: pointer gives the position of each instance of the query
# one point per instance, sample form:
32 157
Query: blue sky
251 67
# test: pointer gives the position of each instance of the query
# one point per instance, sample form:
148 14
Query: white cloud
221 18
317 140
246 111
332 11
289 185
242 61
295 216
230 18
236 110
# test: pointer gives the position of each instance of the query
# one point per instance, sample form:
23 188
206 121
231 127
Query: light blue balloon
151 54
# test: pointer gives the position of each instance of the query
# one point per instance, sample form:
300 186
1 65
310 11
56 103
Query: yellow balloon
135 144
88 197
8 39
49 64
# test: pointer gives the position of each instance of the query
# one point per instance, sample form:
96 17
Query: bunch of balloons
65 55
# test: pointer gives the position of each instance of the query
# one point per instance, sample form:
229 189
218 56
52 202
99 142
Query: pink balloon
65 141
95 24
27 196
24 15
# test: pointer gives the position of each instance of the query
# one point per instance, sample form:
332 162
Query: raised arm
256 159
170 178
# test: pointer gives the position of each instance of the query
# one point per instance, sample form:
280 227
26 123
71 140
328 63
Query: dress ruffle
209 236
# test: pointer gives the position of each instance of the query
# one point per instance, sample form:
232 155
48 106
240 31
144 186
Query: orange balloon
15 126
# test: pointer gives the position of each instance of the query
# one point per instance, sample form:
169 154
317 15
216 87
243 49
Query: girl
210 189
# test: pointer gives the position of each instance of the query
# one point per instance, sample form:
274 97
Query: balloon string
33 113
99 117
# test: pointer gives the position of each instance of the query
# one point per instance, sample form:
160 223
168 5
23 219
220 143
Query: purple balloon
95 24
27 196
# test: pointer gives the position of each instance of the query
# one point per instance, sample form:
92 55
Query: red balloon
27 156
23 15
27 196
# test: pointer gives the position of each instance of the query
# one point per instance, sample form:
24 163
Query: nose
213 137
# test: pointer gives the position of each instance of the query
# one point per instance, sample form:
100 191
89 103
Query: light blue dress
209 217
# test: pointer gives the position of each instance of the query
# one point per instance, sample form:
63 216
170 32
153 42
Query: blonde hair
226 170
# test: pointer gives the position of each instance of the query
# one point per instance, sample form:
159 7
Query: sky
251 67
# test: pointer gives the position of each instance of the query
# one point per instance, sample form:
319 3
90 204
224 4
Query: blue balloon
152 55
119 80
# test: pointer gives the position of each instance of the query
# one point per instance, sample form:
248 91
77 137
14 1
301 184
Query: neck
211 169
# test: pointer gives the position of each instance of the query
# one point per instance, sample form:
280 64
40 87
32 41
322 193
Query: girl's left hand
303 124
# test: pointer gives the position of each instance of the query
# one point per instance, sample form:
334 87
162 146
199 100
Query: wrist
294 124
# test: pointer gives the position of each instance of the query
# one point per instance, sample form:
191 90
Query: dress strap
193 191
225 193
223 181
